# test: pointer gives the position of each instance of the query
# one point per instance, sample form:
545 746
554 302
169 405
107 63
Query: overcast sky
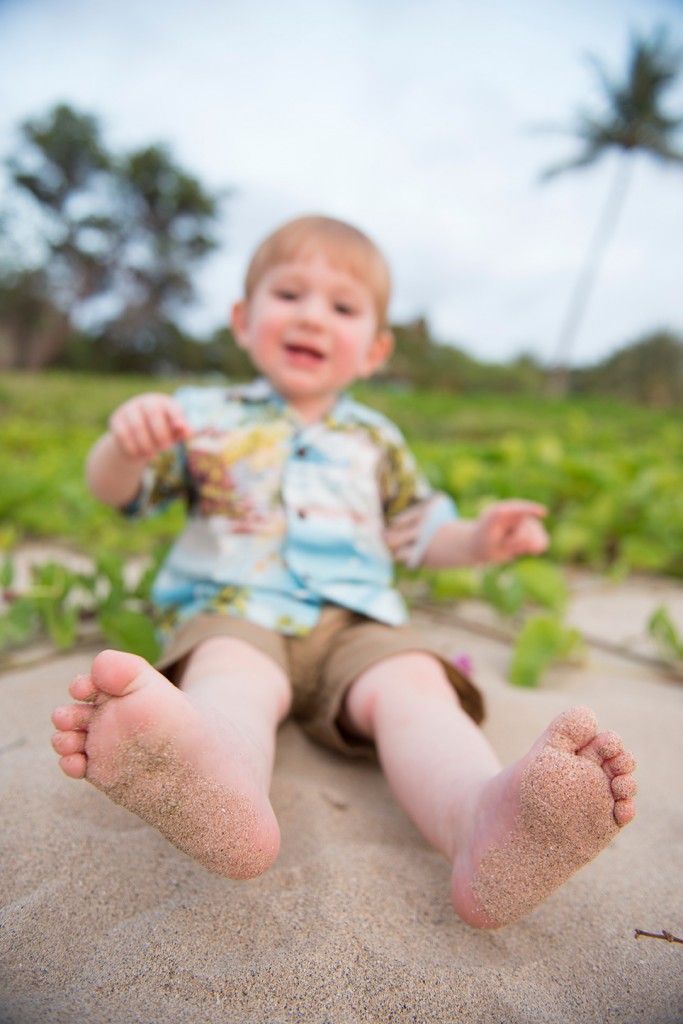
413 119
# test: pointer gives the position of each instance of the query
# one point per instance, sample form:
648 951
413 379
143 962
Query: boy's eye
288 294
344 308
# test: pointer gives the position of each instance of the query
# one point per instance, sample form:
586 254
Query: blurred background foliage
99 252
610 473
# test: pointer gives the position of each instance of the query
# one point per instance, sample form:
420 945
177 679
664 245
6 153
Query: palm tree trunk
558 377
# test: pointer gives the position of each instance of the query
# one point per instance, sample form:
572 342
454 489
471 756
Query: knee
402 678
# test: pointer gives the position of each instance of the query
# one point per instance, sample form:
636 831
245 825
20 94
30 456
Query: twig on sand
13 745
667 936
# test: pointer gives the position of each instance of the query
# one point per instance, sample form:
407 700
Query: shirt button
301 452
301 512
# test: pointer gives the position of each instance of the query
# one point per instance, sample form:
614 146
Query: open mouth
304 354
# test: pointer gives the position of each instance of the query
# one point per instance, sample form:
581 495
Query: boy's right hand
148 424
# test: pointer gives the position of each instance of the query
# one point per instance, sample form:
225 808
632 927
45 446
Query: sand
102 920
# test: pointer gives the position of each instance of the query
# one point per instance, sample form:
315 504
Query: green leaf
452 585
643 553
6 573
542 640
62 625
17 491
129 630
18 623
543 583
669 641
51 582
143 588
463 473
503 589
109 567
571 540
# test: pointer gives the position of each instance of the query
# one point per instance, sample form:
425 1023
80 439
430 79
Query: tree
28 319
633 122
119 236
165 215
648 371
60 161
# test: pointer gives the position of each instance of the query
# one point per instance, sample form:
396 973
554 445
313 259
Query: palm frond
633 118
577 163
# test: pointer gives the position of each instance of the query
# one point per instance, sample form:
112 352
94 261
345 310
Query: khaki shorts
323 664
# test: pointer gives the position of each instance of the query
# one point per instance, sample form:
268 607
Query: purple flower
463 662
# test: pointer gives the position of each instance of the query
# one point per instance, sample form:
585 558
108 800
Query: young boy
278 598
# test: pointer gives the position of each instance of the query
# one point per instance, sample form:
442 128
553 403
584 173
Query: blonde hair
344 245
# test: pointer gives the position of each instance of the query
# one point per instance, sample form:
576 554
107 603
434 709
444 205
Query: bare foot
542 819
193 777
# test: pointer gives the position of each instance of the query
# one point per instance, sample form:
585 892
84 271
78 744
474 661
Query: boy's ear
380 350
238 322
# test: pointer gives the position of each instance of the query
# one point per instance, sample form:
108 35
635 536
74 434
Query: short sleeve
406 494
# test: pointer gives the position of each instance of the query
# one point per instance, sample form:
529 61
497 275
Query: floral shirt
283 516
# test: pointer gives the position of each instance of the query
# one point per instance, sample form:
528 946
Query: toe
624 787
72 716
573 729
73 765
117 673
623 764
83 688
66 743
603 747
624 812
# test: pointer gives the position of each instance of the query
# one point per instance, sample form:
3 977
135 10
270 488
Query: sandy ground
101 920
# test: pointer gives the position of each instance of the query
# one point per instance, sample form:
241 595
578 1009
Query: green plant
516 591
667 637
610 474
59 601
542 640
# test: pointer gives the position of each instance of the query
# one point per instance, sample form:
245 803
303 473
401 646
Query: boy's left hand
509 529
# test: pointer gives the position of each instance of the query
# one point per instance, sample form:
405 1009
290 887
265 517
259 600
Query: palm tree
634 121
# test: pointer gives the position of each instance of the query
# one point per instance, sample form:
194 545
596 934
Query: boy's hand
509 529
148 424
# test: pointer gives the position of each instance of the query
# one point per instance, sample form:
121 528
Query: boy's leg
194 762
230 677
512 835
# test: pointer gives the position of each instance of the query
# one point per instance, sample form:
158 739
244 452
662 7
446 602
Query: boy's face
311 328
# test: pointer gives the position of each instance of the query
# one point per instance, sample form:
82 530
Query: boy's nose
312 311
